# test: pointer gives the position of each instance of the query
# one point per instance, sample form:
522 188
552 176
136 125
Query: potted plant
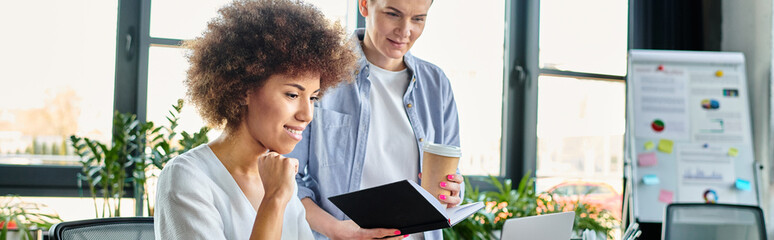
136 149
104 166
507 202
22 219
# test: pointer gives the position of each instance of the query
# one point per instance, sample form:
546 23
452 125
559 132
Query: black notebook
403 205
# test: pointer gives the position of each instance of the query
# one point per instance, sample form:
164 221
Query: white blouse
197 198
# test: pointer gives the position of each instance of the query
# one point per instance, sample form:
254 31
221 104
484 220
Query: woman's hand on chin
278 175
350 230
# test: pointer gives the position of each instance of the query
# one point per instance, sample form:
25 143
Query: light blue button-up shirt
332 151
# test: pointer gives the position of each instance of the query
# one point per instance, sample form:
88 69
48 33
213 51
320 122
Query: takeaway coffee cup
438 161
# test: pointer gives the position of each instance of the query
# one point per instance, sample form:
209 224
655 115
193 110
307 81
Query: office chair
687 221
129 228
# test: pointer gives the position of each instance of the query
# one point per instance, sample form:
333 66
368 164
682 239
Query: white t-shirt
197 198
391 151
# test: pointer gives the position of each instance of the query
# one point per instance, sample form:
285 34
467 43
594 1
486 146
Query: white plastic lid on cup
442 150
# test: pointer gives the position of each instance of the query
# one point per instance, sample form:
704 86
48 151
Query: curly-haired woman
256 72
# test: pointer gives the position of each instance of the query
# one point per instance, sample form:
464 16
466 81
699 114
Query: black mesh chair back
128 228
687 221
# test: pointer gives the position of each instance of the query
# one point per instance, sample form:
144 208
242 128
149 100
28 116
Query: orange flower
502 205
490 206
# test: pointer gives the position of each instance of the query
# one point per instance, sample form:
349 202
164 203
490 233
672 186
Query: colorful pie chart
710 104
657 125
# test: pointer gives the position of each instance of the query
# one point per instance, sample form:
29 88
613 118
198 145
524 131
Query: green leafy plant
136 149
162 145
507 202
26 217
105 166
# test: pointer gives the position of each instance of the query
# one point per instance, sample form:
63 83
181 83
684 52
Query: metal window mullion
127 56
583 75
142 68
519 144
165 42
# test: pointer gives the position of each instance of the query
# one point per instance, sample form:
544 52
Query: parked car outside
593 193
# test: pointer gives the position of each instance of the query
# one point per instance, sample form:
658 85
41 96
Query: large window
58 61
473 61
581 97
60 71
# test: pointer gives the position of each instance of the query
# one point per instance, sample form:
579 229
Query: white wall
747 28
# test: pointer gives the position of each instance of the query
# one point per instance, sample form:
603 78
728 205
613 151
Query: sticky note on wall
742 184
665 196
650 179
647 159
649 145
733 152
665 146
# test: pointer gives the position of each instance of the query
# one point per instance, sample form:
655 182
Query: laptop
554 226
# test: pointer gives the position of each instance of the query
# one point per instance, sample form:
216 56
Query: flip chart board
688 130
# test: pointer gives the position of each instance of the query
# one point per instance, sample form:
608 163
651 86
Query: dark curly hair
252 40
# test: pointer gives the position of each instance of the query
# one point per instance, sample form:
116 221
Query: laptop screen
554 226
